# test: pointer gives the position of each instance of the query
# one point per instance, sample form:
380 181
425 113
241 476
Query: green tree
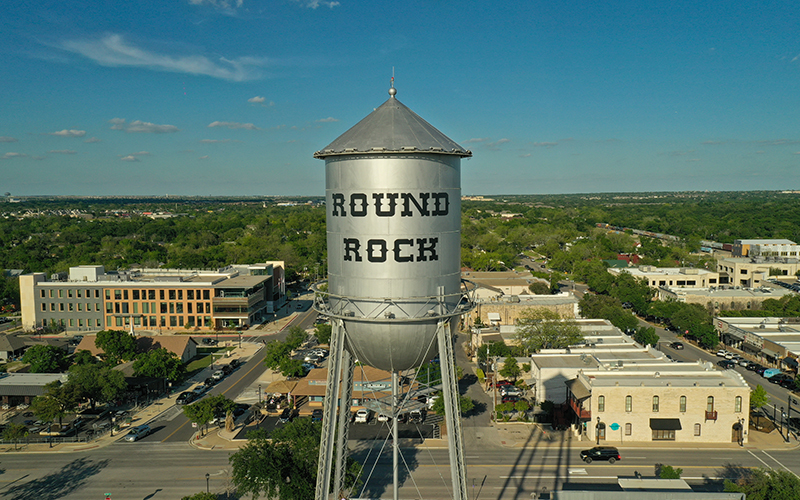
45 359
539 328
96 384
283 466
646 335
84 357
634 291
758 397
203 411
295 338
15 432
669 472
323 333
274 353
511 368
763 484
116 345
466 404
493 349
160 363
201 496
292 368
47 409
539 288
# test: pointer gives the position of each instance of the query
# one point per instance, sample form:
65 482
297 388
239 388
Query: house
11 346
183 346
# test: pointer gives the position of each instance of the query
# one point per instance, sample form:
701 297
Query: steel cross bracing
329 413
458 469
345 400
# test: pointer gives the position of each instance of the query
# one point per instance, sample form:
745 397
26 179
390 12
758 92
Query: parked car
316 415
510 390
235 363
383 417
608 453
218 375
721 353
185 398
209 382
770 372
286 416
744 362
138 432
363 416
209 341
417 416
510 399
752 366
760 370
677 345
503 383
727 364
778 378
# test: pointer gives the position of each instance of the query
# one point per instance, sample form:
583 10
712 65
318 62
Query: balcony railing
580 412
711 415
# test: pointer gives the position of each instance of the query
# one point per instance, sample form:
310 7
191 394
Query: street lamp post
597 430
208 476
741 432
259 393
782 415
785 416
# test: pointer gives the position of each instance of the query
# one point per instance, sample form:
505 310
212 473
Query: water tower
394 292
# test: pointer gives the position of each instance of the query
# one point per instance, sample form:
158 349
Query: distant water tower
394 291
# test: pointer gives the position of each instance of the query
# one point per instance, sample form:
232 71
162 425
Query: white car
510 390
363 416
721 353
383 418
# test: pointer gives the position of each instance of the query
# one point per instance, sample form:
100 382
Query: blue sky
232 97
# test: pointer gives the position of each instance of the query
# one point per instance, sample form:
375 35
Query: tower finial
392 90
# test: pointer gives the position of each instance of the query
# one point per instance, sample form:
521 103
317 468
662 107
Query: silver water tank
393 202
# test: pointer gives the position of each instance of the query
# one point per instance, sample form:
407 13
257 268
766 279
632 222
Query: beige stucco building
752 271
722 299
690 403
671 276
766 248
505 310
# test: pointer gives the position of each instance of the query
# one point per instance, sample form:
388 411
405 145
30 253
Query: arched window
683 404
710 403
601 403
655 404
628 429
737 404
696 429
628 403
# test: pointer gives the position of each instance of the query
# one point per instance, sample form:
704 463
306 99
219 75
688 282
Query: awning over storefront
789 361
494 316
770 353
577 389
665 424
735 334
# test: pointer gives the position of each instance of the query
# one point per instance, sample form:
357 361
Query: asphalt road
153 471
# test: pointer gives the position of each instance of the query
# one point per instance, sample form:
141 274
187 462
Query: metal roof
392 128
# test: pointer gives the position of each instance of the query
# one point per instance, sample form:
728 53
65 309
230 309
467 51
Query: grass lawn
204 358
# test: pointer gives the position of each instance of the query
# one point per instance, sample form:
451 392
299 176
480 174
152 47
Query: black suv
601 453
677 345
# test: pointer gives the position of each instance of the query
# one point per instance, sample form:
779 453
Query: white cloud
327 120
8 139
8 156
477 139
203 157
214 141
63 152
313 4
69 133
138 126
526 155
129 158
91 140
114 51
233 125
257 99
141 153
545 144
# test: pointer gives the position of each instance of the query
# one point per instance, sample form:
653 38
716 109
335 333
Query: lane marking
763 462
777 462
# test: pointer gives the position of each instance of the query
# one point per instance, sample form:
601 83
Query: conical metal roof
392 128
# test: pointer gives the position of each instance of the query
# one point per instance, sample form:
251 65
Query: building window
97 294
172 295
190 294
663 435
161 294
683 404
61 307
69 293
117 294
98 323
80 307
601 403
135 294
737 404
80 293
61 294
70 307
206 295
146 308
173 321
108 294
125 294
119 321
629 403
696 429
42 294
151 295
180 294
710 403
628 429
44 307
655 404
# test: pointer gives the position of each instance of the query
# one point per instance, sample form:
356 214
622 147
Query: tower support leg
329 412
458 469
